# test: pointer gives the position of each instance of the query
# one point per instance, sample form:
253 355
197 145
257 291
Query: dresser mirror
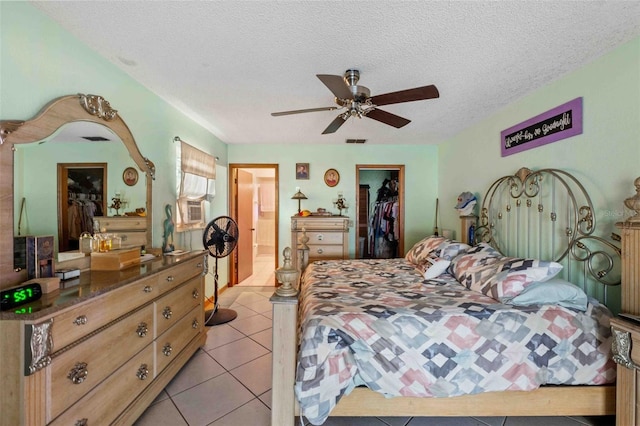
30 152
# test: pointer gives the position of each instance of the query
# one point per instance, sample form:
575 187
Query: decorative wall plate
331 177
130 176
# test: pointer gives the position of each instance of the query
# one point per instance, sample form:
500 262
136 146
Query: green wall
42 61
421 171
605 157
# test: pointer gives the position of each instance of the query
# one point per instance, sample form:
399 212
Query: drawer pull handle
166 349
320 251
82 422
320 237
169 278
195 324
199 265
143 372
147 289
78 373
195 294
142 329
81 320
166 312
621 349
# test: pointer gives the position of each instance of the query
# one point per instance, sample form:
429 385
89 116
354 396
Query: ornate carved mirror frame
60 111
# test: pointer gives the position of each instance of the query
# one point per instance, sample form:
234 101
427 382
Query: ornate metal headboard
547 214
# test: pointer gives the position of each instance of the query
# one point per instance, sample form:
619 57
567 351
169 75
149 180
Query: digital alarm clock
20 295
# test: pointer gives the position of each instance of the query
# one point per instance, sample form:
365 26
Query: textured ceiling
229 64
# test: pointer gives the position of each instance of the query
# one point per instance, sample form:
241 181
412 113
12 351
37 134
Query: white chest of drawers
328 236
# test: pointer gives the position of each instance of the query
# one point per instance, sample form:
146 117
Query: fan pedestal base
221 316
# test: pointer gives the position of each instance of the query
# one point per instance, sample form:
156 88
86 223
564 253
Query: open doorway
253 204
380 211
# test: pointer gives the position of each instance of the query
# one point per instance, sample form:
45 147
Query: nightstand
626 353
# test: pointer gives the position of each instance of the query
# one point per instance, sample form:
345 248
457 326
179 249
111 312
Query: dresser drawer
105 402
133 238
325 237
175 276
80 320
317 251
319 223
176 304
77 370
174 340
113 224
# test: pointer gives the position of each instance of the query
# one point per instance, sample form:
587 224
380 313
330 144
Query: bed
480 336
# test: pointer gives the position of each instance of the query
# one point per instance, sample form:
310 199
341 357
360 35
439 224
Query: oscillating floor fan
220 238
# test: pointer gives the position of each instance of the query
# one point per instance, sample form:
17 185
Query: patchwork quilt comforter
379 323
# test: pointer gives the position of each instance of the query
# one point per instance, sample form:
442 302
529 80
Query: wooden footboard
546 401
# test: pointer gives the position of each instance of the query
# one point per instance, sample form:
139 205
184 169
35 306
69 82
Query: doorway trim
233 211
401 175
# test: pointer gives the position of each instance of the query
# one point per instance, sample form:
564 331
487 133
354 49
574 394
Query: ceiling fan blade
387 118
300 111
409 95
335 125
336 84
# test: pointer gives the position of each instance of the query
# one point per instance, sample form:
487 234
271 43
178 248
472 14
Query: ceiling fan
359 103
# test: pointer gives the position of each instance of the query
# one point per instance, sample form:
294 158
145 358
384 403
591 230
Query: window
196 185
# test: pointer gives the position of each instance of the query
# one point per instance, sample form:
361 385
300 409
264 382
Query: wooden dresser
99 352
626 345
328 236
626 350
132 229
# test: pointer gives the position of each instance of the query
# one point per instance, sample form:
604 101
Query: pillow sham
485 270
420 251
513 275
433 267
449 249
476 266
555 291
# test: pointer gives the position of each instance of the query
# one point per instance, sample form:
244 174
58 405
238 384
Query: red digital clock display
20 295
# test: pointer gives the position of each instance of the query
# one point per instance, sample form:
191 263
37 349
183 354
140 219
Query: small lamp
299 196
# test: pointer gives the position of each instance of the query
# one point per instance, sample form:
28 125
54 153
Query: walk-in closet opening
380 211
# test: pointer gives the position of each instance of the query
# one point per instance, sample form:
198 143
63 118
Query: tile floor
227 382
263 272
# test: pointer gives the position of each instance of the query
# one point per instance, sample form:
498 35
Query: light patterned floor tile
253 413
252 324
237 353
200 368
220 335
255 375
264 337
163 413
211 400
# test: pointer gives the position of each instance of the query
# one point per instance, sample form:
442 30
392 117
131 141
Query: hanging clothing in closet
384 228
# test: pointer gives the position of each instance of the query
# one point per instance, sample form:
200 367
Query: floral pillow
421 250
433 267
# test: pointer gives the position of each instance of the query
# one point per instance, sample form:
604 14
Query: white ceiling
229 64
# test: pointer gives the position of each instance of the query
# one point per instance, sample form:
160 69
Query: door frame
233 211
401 175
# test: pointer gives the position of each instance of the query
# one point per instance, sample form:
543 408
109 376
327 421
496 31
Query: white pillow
555 291
433 267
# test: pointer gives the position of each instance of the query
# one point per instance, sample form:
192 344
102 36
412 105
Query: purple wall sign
558 123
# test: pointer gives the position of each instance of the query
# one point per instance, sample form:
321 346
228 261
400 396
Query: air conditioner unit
195 212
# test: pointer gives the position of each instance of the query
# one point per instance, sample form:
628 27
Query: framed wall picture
130 176
302 170
331 177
